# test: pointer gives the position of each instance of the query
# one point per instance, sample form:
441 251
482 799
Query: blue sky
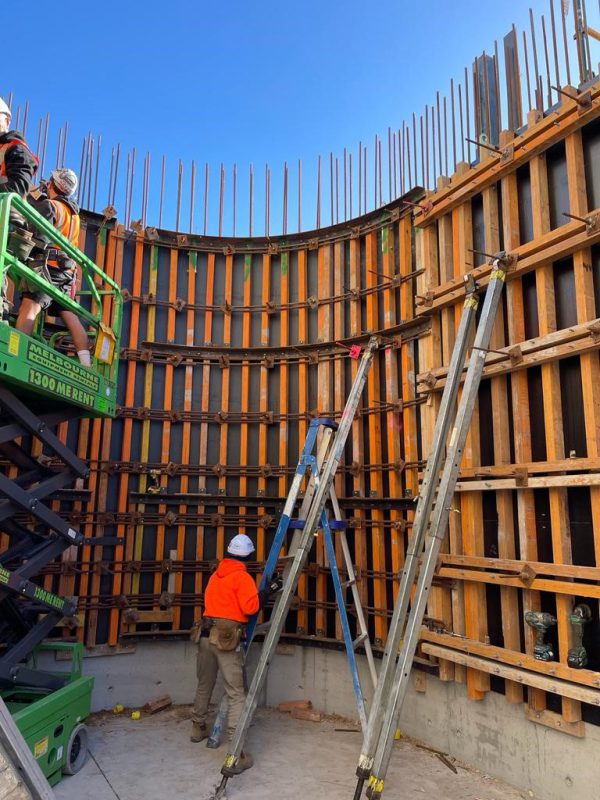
245 82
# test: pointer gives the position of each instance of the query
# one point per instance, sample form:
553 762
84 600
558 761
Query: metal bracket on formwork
355 469
594 331
527 575
219 470
149 299
224 362
592 221
354 522
398 405
583 99
399 465
521 477
126 295
137 225
182 239
399 525
110 212
425 299
151 234
265 471
270 306
179 304
313 358
312 301
142 412
228 250
265 521
216 520
266 417
355 232
172 468
268 361
170 518
225 307
175 359
221 417
515 354
313 244
166 599
429 380
272 248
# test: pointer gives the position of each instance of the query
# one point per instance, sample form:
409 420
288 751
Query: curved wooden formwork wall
229 349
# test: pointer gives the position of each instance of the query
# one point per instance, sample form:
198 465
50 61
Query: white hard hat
4 109
240 545
65 181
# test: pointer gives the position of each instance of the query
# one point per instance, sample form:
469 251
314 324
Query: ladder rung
359 640
351 582
263 627
288 557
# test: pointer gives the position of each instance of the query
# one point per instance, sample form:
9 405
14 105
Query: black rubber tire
77 750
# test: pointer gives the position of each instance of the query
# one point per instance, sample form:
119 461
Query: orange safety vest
4 148
67 223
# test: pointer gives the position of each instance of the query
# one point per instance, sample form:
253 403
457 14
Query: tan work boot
244 762
199 732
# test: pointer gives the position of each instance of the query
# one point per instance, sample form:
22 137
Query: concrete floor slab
153 758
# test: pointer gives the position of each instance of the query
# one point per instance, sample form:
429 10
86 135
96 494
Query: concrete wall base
491 735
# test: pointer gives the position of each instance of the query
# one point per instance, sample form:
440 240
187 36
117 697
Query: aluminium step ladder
429 528
311 516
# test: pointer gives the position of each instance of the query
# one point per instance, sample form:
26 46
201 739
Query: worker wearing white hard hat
230 598
17 163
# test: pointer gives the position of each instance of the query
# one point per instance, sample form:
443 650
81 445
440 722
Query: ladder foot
359 787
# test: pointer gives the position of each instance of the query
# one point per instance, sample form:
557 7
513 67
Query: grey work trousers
231 664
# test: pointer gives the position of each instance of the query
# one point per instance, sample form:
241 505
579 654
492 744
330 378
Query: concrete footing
490 735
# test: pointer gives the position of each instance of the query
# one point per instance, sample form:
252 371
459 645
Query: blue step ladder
311 465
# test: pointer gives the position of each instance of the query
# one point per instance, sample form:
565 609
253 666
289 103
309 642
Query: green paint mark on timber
247 266
193 256
384 240
154 259
284 263
103 236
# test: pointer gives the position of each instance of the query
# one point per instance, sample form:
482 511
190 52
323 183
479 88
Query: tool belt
224 634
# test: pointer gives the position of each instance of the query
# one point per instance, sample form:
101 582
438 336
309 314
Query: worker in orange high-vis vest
17 163
54 201
18 166
231 597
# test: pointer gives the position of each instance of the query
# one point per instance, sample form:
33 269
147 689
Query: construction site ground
153 758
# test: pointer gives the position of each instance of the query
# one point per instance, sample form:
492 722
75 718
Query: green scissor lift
41 385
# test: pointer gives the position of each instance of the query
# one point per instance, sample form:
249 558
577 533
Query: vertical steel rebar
285 196
117 163
337 191
395 167
539 102
299 195
453 123
554 45
365 179
389 165
528 79
221 198
345 186
468 115
331 187
206 179
547 61
97 170
359 179
251 200
462 129
26 117
43 158
350 184
162 190
234 196
179 191
433 148
414 127
563 22
192 194
319 193
445 137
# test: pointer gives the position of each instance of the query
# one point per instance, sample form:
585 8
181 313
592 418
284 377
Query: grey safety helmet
65 181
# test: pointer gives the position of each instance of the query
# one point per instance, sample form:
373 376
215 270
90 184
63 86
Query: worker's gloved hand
275 585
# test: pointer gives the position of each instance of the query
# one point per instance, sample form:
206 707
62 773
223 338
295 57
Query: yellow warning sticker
13 344
40 748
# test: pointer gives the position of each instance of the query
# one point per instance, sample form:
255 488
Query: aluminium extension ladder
429 528
311 517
